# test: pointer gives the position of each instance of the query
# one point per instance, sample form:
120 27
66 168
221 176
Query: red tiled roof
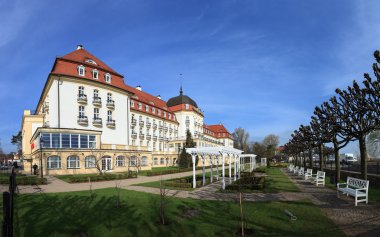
68 65
217 128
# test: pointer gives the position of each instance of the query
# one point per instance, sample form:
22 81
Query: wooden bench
301 171
308 174
319 178
357 188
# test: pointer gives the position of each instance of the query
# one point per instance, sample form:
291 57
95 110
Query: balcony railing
148 137
110 104
82 98
141 123
154 138
111 123
97 101
82 120
160 127
134 135
170 130
97 121
133 122
165 129
141 136
148 124
161 138
154 126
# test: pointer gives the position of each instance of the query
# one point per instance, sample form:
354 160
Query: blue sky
260 65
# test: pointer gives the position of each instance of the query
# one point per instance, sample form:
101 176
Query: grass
24 180
77 214
277 181
158 169
80 178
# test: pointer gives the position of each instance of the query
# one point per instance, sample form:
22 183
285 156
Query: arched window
90 162
120 161
167 161
54 162
155 161
133 161
162 161
73 162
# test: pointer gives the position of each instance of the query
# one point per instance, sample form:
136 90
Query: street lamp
41 144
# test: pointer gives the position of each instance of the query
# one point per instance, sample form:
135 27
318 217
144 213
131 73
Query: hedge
24 180
104 177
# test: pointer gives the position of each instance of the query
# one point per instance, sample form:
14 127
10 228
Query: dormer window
81 70
107 77
140 106
95 74
187 106
132 103
164 114
146 108
153 110
159 112
91 61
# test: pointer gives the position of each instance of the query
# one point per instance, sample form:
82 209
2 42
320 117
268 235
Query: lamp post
41 145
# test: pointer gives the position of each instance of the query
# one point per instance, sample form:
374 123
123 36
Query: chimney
79 46
138 88
159 97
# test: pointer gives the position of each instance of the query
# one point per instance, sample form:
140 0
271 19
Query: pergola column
223 171
229 166
217 167
251 165
193 156
235 168
239 159
210 168
203 170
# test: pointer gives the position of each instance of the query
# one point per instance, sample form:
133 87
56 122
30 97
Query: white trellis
252 161
215 152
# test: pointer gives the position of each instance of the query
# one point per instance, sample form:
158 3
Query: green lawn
277 181
158 169
76 214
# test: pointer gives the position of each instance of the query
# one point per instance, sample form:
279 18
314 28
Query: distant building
87 119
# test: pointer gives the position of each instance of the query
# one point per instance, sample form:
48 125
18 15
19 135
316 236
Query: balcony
133 122
148 137
166 139
170 130
154 138
97 101
161 138
141 123
160 127
82 120
148 124
110 104
154 126
165 129
97 121
134 135
187 122
82 98
141 136
111 123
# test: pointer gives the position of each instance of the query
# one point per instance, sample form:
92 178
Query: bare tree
241 138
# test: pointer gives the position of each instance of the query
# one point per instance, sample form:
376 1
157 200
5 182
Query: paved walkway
363 220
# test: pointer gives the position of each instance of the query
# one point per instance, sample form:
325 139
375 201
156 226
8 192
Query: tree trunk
311 158
363 157
337 162
304 159
321 157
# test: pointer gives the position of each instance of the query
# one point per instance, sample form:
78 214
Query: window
162 161
81 70
91 141
167 161
74 141
140 106
96 113
81 111
155 161
109 115
96 93
159 112
187 106
164 114
65 140
153 110
144 161
73 162
90 162
53 162
95 74
81 91
107 77
120 161
170 116
83 141
147 108
55 140
133 161
109 97
132 103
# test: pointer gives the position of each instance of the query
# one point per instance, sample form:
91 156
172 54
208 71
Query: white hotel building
87 119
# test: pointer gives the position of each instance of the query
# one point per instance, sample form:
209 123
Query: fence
8 202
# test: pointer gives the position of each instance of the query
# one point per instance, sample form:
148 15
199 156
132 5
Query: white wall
69 110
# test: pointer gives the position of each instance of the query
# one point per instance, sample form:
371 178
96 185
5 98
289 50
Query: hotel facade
89 120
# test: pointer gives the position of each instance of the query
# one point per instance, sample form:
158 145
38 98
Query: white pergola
252 160
215 153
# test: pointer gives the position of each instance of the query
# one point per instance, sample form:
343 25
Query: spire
180 89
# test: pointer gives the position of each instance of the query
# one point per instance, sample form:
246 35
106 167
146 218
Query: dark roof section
181 99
